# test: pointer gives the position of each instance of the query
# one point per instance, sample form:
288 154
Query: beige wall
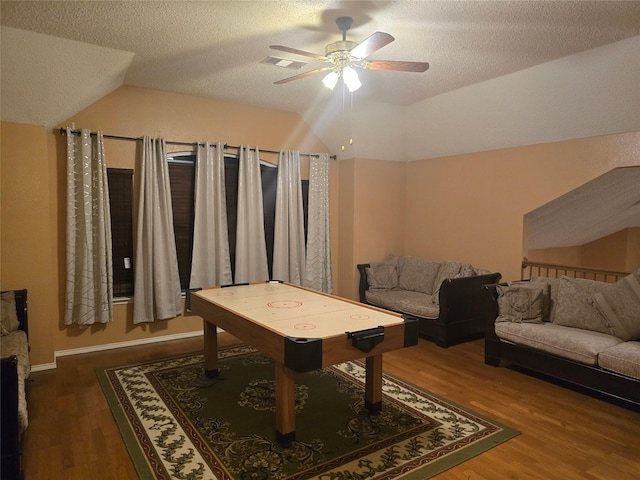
378 216
371 197
346 227
619 252
33 189
609 253
558 255
633 250
27 253
466 207
470 207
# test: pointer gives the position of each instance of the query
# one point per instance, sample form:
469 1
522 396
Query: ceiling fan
343 55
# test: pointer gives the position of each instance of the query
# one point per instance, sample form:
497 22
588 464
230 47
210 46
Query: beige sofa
445 297
581 331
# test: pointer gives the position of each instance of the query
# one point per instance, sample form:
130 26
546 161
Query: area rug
178 424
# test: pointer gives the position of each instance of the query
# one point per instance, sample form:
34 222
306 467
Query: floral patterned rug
178 424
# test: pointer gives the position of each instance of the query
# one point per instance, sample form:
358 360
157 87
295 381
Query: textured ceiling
58 57
214 48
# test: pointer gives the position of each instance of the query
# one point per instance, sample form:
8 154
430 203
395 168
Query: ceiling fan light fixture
330 80
345 54
351 80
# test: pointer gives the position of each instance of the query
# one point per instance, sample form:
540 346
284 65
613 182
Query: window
120 182
182 180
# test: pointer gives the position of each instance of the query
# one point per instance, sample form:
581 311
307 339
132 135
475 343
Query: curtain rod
63 131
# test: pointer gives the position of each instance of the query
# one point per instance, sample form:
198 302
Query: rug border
453 459
136 454
451 402
145 472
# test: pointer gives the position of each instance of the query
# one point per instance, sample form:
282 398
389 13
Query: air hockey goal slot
366 340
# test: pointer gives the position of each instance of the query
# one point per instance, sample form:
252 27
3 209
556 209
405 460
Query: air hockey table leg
373 385
210 350
285 404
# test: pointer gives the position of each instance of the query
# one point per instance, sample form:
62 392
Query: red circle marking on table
304 326
284 304
359 316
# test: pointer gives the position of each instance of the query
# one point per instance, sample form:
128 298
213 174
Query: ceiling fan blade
298 52
399 66
372 43
302 75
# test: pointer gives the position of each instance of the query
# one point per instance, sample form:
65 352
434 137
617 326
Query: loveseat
445 297
14 348
579 331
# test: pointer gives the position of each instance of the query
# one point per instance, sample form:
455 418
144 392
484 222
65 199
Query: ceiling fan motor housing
337 47
338 52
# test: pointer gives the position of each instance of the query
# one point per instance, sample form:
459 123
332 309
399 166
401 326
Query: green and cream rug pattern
178 424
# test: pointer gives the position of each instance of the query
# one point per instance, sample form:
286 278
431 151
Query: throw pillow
620 305
466 270
575 308
447 270
9 317
417 274
383 275
554 288
522 302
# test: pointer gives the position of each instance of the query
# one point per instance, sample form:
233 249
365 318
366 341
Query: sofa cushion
383 275
404 301
619 304
574 344
575 307
623 358
522 302
417 274
447 270
8 316
15 343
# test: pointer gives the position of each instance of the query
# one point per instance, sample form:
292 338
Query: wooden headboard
530 269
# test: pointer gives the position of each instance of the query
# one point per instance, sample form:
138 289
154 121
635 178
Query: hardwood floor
564 434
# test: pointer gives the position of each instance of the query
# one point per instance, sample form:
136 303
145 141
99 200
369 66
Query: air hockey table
301 330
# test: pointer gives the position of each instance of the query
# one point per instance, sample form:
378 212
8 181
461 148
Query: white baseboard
43 366
110 346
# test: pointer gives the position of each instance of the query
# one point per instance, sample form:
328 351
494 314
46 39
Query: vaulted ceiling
60 56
